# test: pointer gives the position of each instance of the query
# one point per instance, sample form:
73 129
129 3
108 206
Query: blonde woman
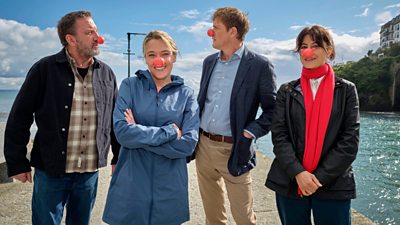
156 122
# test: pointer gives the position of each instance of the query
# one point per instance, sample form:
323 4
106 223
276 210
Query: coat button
66 107
63 129
69 84
62 153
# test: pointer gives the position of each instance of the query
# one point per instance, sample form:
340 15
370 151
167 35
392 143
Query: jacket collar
244 66
238 53
145 75
61 57
294 88
295 84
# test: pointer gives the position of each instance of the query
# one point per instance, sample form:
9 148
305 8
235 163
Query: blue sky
27 30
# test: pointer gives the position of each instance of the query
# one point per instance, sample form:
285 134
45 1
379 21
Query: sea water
377 167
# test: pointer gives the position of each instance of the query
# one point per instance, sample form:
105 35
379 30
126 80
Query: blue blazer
254 86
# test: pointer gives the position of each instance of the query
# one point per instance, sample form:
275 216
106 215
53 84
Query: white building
390 32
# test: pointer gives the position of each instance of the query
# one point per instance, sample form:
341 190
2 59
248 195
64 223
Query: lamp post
129 49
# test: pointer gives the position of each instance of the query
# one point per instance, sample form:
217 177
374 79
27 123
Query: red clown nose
100 40
210 33
158 62
307 53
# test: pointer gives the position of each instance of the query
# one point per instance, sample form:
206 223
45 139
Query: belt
216 137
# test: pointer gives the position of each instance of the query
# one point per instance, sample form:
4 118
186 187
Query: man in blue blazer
234 83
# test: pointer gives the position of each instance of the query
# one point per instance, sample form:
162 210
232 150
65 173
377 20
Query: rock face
3 167
395 96
2 127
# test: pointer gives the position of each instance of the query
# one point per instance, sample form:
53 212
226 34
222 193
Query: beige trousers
214 178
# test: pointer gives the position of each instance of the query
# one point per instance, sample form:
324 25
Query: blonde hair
163 36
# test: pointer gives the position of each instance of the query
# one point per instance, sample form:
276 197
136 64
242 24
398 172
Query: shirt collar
72 60
238 54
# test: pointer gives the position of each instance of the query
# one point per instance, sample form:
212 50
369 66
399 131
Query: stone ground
15 199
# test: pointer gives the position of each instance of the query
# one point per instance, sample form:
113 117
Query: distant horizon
30 35
3 89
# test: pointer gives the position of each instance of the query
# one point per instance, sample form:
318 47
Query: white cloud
189 67
383 17
11 83
190 14
286 62
352 48
198 29
274 50
393 6
21 45
154 24
31 43
306 24
296 27
280 53
367 5
363 14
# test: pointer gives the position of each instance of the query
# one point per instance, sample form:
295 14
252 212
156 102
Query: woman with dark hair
315 132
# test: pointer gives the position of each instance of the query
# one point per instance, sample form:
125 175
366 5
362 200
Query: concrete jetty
15 199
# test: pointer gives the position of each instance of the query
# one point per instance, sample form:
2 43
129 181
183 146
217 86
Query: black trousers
297 211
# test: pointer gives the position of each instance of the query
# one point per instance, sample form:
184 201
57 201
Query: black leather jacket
46 97
334 170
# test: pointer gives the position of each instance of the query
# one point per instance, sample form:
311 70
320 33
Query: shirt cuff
254 136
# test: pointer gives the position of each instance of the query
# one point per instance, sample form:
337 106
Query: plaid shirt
82 153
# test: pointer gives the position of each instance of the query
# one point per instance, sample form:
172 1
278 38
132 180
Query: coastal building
390 32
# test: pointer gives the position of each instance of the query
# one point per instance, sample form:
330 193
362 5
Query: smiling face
311 55
155 49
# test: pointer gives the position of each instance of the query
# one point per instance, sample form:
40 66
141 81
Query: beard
87 51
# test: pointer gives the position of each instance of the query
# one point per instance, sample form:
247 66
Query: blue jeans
297 211
50 194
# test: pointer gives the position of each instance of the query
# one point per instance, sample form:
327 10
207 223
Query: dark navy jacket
334 170
46 97
254 86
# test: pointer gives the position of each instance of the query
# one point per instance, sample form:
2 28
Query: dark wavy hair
319 35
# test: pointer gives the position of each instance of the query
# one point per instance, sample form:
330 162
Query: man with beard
70 95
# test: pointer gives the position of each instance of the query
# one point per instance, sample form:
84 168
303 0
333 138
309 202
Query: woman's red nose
307 53
158 62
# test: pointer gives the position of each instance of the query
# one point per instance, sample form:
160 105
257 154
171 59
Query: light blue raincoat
150 182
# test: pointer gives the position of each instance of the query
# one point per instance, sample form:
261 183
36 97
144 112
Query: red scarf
318 112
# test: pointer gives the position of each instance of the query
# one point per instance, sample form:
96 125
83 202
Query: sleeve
344 152
135 135
115 146
267 91
183 147
281 139
21 117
